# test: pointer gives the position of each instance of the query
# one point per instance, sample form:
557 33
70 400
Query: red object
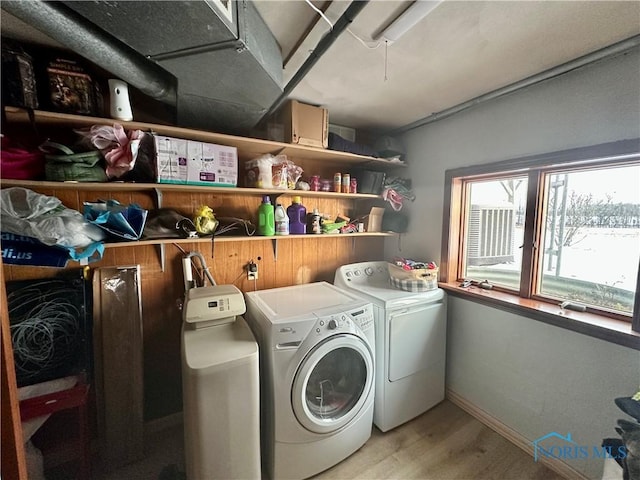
20 164
75 397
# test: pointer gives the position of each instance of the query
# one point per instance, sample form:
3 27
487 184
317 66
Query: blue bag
121 222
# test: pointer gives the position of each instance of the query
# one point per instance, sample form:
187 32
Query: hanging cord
363 42
321 13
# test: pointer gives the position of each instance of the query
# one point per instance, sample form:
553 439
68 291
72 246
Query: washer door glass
332 383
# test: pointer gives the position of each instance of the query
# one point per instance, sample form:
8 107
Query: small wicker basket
416 280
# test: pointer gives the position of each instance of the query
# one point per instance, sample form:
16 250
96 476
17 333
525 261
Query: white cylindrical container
119 100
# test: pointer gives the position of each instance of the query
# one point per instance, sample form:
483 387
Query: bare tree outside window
592 236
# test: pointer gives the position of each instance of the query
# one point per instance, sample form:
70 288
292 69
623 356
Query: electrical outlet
252 270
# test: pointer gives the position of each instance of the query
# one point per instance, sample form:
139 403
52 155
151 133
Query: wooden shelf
168 187
247 147
239 238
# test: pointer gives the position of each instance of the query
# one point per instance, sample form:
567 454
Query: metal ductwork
215 60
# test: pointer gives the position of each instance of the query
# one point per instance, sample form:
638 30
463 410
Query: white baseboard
557 465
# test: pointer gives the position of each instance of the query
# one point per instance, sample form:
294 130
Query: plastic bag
129 154
123 222
25 212
167 223
72 166
268 171
258 172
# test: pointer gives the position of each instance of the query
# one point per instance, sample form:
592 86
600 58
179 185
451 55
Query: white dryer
411 335
317 373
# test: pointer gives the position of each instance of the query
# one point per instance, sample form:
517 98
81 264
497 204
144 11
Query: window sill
604 328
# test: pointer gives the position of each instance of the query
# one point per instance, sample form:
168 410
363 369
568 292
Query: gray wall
533 377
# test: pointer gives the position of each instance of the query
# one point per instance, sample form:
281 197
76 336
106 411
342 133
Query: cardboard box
374 220
189 162
299 123
171 159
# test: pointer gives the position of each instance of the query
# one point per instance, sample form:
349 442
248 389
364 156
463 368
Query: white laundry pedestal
221 394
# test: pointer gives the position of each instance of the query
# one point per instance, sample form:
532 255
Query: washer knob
332 325
368 271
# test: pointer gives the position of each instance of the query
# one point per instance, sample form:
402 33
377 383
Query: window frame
535 167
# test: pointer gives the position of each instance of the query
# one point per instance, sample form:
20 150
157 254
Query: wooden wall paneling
13 464
125 256
321 254
261 252
306 261
69 198
20 272
108 258
117 306
223 205
148 257
285 267
162 293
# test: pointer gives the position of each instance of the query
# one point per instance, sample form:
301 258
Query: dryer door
417 340
332 383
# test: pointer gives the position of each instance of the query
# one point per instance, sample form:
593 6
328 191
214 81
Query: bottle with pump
266 219
314 224
282 220
297 214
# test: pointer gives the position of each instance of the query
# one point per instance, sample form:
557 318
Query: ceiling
460 51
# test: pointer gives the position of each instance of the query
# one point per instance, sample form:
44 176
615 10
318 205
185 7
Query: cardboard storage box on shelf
374 220
299 123
189 162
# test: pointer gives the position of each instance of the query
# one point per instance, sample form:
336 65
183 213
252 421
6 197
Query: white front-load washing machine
317 359
411 336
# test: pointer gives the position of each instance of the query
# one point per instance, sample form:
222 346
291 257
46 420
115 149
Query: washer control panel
361 317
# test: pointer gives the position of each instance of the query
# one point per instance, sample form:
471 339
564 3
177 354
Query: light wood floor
445 443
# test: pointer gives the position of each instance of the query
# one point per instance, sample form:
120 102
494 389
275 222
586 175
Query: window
591 231
553 228
493 229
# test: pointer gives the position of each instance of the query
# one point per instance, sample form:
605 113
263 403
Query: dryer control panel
364 273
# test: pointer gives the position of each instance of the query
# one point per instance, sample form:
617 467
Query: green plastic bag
70 166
